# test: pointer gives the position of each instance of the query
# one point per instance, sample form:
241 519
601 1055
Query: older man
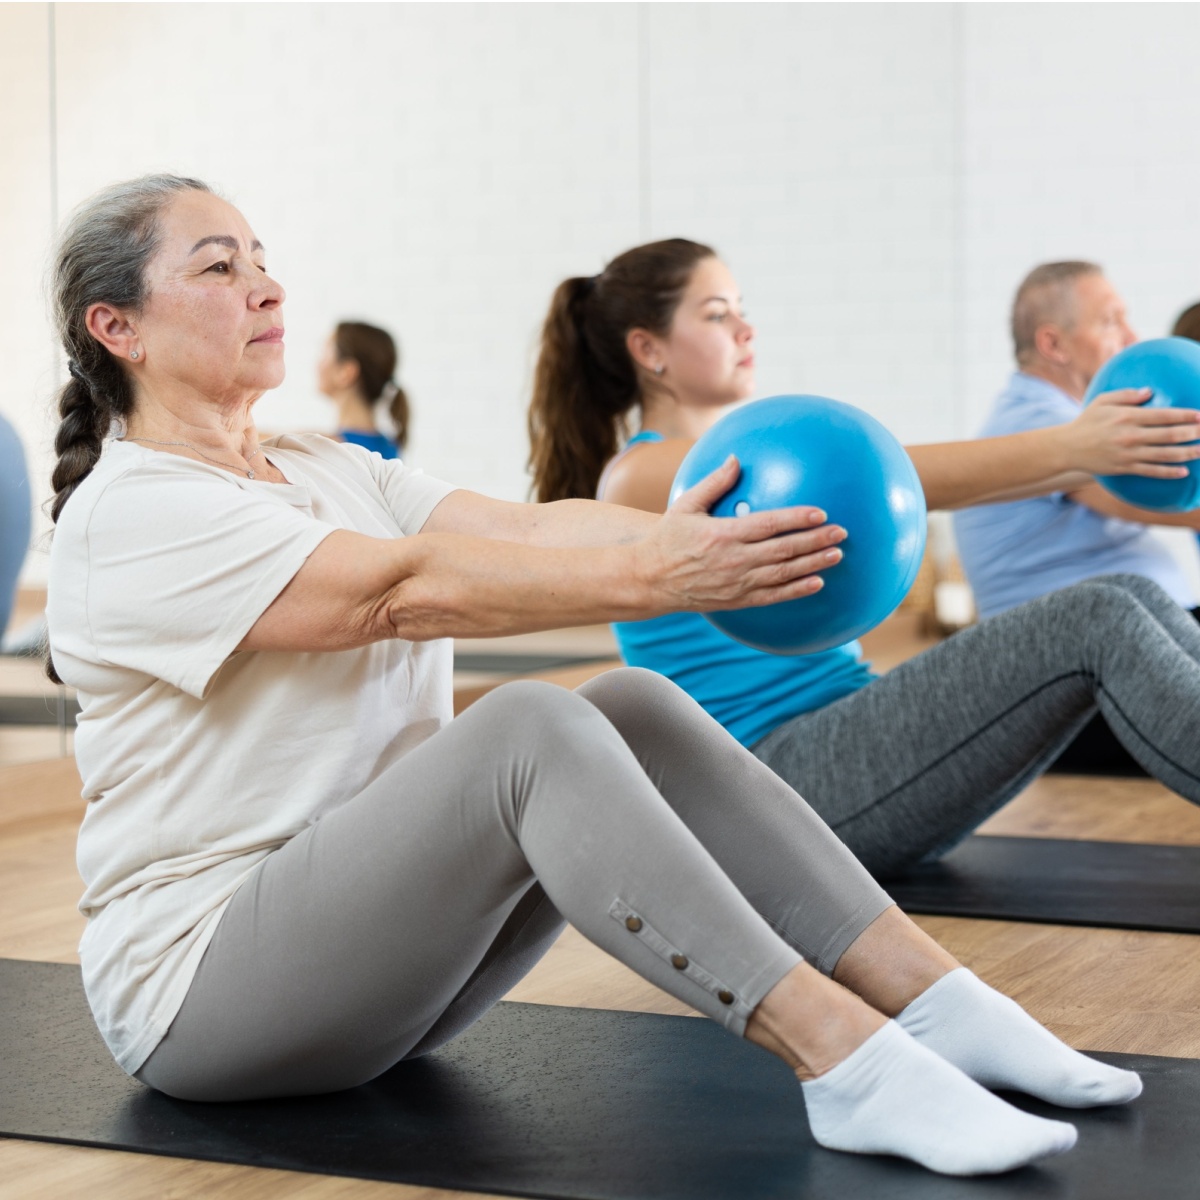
1067 321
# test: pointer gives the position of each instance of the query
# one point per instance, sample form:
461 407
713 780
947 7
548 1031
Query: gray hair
101 258
1046 295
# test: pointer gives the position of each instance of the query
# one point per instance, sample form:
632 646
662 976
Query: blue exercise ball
1171 366
811 450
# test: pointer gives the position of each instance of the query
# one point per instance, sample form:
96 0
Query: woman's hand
1118 434
700 563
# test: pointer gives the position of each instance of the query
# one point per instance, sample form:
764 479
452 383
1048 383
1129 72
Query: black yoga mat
38 710
575 1104
1117 885
517 664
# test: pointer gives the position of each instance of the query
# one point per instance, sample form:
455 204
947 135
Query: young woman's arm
1093 496
1114 435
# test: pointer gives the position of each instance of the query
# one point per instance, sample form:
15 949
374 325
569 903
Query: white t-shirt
198 762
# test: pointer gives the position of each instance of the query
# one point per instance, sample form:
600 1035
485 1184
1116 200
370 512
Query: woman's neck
226 429
664 414
353 412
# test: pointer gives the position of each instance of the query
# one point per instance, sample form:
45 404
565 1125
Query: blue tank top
381 444
749 692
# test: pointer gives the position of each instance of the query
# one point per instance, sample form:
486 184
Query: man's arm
1093 496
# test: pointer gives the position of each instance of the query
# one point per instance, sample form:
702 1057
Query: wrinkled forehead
193 219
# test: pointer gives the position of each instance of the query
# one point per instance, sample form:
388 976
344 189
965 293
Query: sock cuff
954 984
863 1072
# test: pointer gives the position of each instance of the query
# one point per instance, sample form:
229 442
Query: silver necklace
197 450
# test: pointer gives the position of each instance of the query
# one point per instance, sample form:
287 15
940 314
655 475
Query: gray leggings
905 768
387 927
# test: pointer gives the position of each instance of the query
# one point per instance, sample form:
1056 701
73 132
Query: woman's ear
113 330
345 374
645 349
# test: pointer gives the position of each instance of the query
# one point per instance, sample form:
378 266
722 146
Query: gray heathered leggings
906 767
387 927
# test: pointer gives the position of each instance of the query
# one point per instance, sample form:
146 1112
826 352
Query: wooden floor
1099 989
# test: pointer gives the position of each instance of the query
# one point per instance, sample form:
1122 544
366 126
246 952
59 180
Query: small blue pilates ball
800 450
1171 367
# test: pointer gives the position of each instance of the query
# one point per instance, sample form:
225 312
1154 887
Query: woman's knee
1103 599
634 693
526 711
1144 590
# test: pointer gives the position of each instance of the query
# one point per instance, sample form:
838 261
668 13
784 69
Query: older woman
299 870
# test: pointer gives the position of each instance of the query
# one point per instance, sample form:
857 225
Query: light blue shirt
1022 549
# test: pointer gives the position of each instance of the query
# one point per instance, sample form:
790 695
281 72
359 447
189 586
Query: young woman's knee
1118 594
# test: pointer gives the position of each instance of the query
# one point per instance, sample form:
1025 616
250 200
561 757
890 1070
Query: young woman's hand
1118 434
703 564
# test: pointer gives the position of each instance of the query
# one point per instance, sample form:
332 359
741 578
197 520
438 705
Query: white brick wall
813 145
1082 131
878 177
25 230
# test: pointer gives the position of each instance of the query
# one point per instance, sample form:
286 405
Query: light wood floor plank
46 1171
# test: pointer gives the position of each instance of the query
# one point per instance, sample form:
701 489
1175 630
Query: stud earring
659 369
133 354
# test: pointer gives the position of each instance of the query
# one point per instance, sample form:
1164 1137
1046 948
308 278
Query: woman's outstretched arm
1114 435
451 581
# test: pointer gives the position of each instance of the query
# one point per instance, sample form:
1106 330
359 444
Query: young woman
905 765
299 868
355 371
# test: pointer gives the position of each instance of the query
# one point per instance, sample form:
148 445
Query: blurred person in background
355 371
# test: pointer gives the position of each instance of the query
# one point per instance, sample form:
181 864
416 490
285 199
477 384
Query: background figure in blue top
905 764
356 371
1067 322
15 514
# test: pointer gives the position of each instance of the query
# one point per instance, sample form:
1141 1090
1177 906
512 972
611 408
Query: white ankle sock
893 1096
995 1041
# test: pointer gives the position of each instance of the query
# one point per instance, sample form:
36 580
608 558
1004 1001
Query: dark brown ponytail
374 350
1187 324
586 383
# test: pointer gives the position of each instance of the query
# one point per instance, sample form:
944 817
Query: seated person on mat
355 371
16 508
905 765
1067 322
300 870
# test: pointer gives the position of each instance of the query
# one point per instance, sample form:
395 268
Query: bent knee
526 707
631 685
634 694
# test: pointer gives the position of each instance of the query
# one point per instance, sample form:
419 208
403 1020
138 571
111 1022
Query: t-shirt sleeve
409 493
179 571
